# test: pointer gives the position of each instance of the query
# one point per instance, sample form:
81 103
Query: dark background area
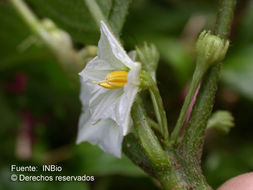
39 106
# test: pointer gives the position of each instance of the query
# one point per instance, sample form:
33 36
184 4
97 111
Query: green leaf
238 71
74 16
118 14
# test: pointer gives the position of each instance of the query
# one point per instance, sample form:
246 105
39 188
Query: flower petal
127 99
96 70
103 103
132 54
111 50
134 75
115 104
84 94
105 133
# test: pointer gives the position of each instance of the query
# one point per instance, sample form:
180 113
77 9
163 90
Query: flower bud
221 121
60 36
91 51
211 48
148 55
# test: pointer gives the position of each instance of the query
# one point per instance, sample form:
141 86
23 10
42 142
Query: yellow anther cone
115 79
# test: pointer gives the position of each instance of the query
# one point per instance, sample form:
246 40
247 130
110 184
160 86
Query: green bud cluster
59 36
221 121
148 56
145 80
211 48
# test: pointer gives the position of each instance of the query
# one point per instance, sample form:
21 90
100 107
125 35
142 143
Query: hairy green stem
133 149
147 137
154 125
161 163
26 14
196 79
189 151
194 136
159 109
224 18
96 12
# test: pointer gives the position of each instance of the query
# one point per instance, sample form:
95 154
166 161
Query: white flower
110 83
105 132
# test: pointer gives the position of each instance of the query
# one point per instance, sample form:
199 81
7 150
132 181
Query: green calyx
148 55
210 48
145 80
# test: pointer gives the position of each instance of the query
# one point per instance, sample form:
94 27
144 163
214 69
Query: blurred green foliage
39 105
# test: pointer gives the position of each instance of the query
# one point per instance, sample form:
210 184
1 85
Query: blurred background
39 106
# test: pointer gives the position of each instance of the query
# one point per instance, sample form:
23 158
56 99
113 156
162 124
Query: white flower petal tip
107 106
110 41
94 133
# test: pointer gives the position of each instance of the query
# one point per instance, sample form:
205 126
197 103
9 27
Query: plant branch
66 55
147 137
224 18
159 159
191 146
196 79
159 109
96 12
154 125
133 149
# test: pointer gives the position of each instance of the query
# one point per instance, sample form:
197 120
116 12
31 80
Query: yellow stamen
115 79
